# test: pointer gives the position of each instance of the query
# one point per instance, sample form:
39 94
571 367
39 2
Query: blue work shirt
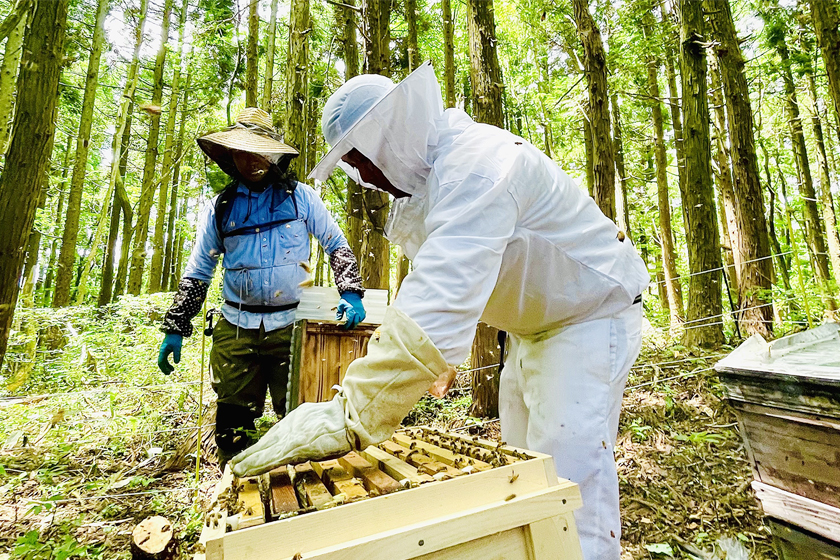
263 267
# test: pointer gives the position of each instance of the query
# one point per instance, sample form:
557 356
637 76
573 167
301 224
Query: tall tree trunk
127 210
57 219
622 205
448 53
67 256
178 257
723 175
588 149
826 22
269 58
485 72
376 251
8 76
814 226
147 190
127 103
252 66
828 210
106 284
486 79
669 32
297 83
346 23
156 275
167 282
595 63
704 290
28 156
756 267
411 23
669 257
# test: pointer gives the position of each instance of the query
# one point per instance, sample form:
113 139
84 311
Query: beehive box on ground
786 395
322 348
421 495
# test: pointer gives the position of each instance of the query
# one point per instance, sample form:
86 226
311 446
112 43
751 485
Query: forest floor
93 439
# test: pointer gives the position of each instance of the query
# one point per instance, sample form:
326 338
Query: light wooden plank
811 515
424 463
555 537
252 510
311 490
507 545
339 481
285 538
215 520
440 454
376 481
447 531
395 468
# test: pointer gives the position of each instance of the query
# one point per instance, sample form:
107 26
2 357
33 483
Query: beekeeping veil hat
252 132
392 125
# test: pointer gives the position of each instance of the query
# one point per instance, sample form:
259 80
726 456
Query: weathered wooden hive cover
786 394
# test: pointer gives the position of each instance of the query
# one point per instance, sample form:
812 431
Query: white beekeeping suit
497 232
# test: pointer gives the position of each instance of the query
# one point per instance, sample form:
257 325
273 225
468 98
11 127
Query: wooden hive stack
322 348
786 395
423 494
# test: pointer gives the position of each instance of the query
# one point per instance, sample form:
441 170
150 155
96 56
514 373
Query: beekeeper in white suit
496 232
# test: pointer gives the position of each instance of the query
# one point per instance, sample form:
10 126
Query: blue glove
171 345
350 303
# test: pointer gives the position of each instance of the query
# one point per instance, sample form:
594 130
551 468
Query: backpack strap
222 208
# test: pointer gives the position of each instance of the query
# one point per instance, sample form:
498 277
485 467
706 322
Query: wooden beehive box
322 348
421 495
786 395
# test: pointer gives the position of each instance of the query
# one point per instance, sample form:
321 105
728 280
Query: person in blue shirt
261 223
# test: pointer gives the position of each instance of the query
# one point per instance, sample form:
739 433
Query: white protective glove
379 391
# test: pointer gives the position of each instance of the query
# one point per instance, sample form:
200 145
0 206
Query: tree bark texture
168 283
756 313
815 234
595 64
127 211
159 242
8 76
588 149
411 23
375 250
28 157
826 20
703 316
297 84
485 72
828 209
269 58
252 64
622 204
69 238
448 53
669 33
723 174
354 206
147 191
56 222
669 257
487 87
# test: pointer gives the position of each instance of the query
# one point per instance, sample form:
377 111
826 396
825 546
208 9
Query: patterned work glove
171 345
351 304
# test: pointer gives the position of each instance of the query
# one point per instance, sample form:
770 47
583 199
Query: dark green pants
244 365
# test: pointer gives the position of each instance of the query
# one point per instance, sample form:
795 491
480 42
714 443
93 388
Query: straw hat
252 132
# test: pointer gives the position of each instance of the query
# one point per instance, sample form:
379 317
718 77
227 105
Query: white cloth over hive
812 353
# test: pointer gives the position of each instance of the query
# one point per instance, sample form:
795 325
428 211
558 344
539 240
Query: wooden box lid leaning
786 395
422 494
